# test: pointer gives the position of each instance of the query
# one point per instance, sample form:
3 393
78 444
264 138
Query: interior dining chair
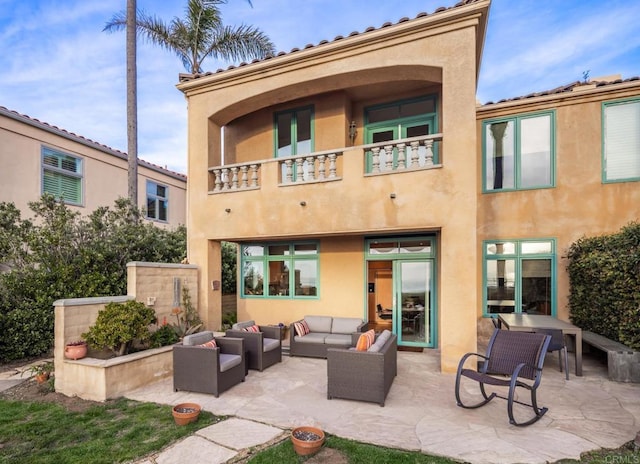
557 344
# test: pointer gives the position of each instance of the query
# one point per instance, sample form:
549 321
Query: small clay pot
75 351
185 413
307 440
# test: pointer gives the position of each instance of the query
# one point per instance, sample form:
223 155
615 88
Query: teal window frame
518 255
633 135
62 176
517 174
293 133
161 202
400 125
288 257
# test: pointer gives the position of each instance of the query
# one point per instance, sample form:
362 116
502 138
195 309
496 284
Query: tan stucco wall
104 175
580 204
436 54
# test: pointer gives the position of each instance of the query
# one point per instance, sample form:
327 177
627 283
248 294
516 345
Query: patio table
527 322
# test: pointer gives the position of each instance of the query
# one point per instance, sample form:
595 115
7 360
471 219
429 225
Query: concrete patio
585 413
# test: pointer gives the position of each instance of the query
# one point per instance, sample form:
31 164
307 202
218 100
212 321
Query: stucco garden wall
97 379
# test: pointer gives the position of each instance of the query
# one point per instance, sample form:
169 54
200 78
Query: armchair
208 370
264 348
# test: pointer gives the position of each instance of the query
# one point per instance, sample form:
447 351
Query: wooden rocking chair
512 357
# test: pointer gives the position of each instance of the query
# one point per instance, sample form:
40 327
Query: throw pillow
209 344
365 340
301 328
253 328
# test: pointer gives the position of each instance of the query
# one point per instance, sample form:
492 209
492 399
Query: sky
58 66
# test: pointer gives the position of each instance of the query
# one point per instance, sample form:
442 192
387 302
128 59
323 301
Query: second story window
519 152
621 141
157 201
62 176
294 134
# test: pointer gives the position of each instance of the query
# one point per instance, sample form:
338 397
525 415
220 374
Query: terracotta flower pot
76 351
185 413
42 378
307 440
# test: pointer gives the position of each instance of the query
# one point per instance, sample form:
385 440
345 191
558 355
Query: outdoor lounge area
420 411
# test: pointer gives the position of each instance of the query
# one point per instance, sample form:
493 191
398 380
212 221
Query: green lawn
116 431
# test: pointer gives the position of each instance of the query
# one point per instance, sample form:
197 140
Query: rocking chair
511 358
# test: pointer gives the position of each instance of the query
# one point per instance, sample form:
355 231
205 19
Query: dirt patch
30 390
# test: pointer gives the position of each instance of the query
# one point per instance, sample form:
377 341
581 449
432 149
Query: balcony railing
379 158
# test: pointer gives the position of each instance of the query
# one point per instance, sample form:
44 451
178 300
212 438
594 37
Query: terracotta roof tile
563 89
184 77
85 141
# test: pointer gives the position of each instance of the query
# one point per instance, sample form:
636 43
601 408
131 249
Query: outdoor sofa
363 375
323 332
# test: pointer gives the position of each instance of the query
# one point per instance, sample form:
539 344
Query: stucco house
360 178
40 158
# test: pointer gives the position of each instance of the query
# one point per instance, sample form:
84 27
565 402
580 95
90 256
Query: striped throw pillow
365 340
209 344
302 328
253 328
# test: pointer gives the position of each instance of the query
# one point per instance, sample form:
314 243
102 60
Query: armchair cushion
243 325
253 328
269 344
209 344
198 338
228 361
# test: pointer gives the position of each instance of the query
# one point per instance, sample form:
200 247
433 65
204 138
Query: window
621 141
519 276
157 201
62 176
290 270
519 152
294 135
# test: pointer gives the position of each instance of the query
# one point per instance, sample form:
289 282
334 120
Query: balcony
383 158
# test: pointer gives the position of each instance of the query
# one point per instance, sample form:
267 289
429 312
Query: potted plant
185 413
118 325
307 440
41 371
75 350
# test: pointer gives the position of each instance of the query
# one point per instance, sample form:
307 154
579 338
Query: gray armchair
208 370
263 348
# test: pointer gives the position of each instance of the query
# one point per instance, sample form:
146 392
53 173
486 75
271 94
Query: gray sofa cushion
269 344
345 325
311 337
227 361
319 323
380 341
338 340
198 338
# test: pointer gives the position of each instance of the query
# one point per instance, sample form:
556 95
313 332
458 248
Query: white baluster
234 178
225 179
429 155
388 150
217 181
311 168
254 175
321 168
415 146
244 178
299 170
375 159
332 165
401 156
288 171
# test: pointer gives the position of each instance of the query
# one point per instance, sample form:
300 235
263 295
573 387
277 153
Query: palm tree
132 103
199 35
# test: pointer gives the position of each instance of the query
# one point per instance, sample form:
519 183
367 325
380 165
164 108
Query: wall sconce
352 132
227 210
392 196
303 203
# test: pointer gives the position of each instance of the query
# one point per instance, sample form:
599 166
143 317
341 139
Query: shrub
120 324
604 278
165 335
